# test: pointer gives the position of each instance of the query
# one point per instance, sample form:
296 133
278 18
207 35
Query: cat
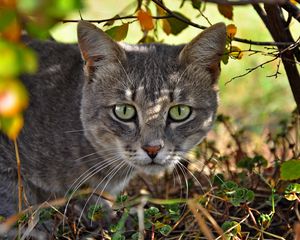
101 111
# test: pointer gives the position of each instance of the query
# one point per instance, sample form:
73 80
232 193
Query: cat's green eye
179 112
124 112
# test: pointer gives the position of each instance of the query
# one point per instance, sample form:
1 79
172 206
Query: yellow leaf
12 32
293 2
231 30
235 52
13 98
145 19
12 126
226 10
166 26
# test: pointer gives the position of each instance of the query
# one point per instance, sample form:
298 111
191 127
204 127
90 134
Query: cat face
148 104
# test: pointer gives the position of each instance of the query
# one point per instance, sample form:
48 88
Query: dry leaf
226 10
145 20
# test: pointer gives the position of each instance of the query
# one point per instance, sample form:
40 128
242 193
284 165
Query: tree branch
292 9
280 33
245 2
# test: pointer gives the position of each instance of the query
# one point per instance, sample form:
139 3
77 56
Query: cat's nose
152 151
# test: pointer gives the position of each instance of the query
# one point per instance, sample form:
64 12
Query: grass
226 190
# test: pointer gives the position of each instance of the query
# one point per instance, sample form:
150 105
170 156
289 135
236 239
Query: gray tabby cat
104 111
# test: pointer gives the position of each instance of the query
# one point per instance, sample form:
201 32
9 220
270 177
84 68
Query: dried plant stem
20 187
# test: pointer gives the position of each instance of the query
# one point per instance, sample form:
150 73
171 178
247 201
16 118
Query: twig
20 187
245 2
292 10
249 70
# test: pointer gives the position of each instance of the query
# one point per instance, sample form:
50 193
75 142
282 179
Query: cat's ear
206 49
96 47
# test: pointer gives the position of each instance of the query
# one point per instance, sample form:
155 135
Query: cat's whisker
193 176
185 179
180 181
113 171
86 176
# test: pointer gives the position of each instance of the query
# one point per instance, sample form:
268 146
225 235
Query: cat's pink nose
151 150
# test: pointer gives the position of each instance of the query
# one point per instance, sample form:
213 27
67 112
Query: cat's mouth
152 167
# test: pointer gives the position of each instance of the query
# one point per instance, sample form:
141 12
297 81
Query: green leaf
292 191
165 230
60 8
135 236
196 4
95 212
28 6
290 170
118 33
6 17
177 26
231 224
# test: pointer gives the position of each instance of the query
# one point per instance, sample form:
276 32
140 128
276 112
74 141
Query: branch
292 9
172 14
110 19
245 2
280 33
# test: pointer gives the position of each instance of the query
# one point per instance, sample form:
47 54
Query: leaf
12 126
6 17
28 6
231 30
166 26
60 8
292 191
13 98
196 4
290 170
12 32
111 22
226 10
177 26
145 19
165 230
235 52
118 33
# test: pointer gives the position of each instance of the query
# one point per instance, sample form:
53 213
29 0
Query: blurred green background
255 101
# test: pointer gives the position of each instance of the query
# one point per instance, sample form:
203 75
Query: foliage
36 17
241 183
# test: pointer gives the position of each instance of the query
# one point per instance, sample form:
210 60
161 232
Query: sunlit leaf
13 97
235 52
145 19
12 32
290 170
28 6
12 126
6 17
177 26
59 8
166 26
118 33
9 62
29 61
226 10
231 30
39 29
147 39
